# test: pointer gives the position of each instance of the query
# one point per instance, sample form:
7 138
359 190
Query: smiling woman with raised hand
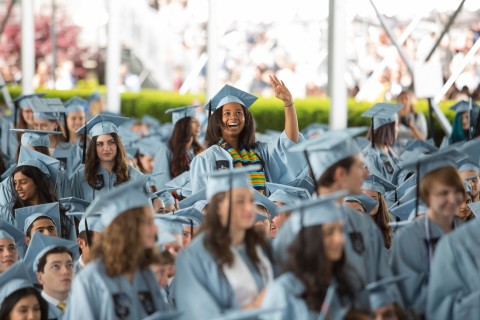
105 162
231 140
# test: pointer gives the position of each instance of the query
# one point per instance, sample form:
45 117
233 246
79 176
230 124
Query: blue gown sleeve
6 196
192 297
276 297
448 294
161 166
202 165
80 306
77 186
282 166
407 258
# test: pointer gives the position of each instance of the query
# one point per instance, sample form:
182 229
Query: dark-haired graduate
226 266
231 140
174 158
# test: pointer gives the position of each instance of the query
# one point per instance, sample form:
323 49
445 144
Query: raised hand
281 91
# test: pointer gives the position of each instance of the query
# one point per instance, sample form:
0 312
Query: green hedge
268 112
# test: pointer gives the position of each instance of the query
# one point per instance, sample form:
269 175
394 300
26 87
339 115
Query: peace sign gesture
281 91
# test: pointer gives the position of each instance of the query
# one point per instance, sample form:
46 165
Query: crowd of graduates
106 217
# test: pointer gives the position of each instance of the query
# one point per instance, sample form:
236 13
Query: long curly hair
215 126
92 162
217 240
120 246
307 261
182 133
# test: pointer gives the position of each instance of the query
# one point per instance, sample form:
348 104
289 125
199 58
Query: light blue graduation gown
364 268
95 295
454 286
81 189
54 313
201 289
285 293
68 155
161 165
280 165
410 256
381 164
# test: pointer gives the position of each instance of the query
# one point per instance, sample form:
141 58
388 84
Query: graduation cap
182 112
75 104
47 108
475 207
376 183
190 201
472 150
229 179
367 202
150 121
304 181
463 106
426 164
315 212
8 231
467 106
379 293
261 200
48 165
166 196
420 145
382 114
35 138
286 194
247 314
182 183
40 245
164 237
13 279
25 101
93 222
229 94
466 164
324 151
307 213
102 124
26 216
401 190
146 148
74 205
127 196
194 217
406 211
170 223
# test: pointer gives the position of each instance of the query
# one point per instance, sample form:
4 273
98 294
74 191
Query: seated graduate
470 171
231 140
18 298
379 156
443 191
464 213
49 262
76 208
10 239
464 122
412 124
174 158
226 266
315 281
31 183
117 281
46 114
454 286
74 120
43 218
337 164
376 187
105 163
